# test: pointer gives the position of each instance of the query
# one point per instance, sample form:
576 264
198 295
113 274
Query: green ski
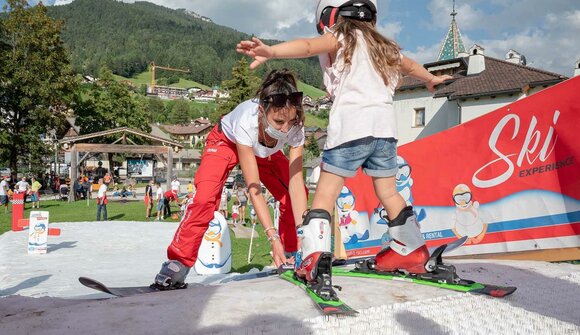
461 285
327 307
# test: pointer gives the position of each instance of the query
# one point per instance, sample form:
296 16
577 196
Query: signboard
140 168
38 232
509 180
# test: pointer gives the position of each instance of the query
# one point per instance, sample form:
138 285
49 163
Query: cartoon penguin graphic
351 228
404 183
37 236
467 219
215 251
379 225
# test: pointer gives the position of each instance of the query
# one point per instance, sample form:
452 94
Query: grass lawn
315 121
311 91
134 210
145 78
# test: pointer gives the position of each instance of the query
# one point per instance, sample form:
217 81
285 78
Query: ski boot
171 276
314 260
406 252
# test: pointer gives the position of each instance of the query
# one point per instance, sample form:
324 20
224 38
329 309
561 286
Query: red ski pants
219 158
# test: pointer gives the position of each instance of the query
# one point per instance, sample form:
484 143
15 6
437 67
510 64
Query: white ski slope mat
40 294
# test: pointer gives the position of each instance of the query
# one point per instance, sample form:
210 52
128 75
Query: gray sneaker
172 275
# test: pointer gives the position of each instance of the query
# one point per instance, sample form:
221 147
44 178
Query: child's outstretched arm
300 48
414 69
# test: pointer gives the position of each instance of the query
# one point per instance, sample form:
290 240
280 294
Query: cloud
546 32
390 29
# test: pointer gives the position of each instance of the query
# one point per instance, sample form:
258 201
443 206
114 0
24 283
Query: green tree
181 113
311 147
37 84
110 105
156 110
241 87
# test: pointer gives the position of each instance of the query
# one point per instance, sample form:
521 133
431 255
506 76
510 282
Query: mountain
127 37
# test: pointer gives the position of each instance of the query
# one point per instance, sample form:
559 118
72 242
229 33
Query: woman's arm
296 188
300 48
414 69
250 171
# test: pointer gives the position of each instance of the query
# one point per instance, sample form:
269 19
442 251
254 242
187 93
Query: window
419 117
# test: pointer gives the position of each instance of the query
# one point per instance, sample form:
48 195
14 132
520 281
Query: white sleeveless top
362 103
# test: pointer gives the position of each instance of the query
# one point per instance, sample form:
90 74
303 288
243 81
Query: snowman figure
215 250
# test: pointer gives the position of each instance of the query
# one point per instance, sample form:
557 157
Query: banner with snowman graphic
509 181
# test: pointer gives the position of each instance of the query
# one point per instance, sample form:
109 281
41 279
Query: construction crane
153 67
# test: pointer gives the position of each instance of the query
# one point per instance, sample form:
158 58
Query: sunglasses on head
280 99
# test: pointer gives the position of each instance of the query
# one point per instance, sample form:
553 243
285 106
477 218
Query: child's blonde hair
385 53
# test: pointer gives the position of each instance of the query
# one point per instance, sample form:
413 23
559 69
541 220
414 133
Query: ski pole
251 240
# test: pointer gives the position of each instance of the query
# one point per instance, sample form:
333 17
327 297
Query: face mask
273 132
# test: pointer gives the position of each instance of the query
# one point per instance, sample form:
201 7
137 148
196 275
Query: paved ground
40 294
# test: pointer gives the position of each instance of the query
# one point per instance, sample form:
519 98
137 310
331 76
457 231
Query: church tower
453 44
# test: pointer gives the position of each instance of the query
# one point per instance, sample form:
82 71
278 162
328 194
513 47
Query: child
361 69
252 215
235 211
224 202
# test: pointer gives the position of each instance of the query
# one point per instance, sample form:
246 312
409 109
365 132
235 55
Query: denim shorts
377 157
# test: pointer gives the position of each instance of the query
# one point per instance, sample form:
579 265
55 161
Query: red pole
17 210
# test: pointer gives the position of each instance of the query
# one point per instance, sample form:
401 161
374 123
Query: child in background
236 211
361 69
252 215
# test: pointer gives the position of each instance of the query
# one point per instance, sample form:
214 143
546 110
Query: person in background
23 187
224 202
175 185
252 215
148 198
190 189
159 199
242 196
4 187
235 211
102 201
169 197
35 192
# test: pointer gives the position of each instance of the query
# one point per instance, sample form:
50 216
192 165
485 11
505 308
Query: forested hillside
127 37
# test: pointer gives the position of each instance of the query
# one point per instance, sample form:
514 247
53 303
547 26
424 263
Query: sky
546 32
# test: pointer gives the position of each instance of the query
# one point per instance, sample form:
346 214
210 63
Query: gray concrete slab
40 294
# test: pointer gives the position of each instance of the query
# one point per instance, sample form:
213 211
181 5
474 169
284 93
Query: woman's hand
255 49
278 253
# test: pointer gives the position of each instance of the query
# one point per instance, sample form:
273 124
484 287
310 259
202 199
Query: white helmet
327 11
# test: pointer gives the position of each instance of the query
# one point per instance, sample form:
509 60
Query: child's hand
255 49
436 80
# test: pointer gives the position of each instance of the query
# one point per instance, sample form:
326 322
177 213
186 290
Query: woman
242 196
253 135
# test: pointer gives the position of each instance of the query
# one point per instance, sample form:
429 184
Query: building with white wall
480 84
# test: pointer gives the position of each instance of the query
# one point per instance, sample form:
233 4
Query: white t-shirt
362 103
159 193
102 191
3 187
241 126
175 185
22 186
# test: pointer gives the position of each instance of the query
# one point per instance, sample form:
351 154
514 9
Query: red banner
509 180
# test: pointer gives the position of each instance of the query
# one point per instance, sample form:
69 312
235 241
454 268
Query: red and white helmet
327 11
